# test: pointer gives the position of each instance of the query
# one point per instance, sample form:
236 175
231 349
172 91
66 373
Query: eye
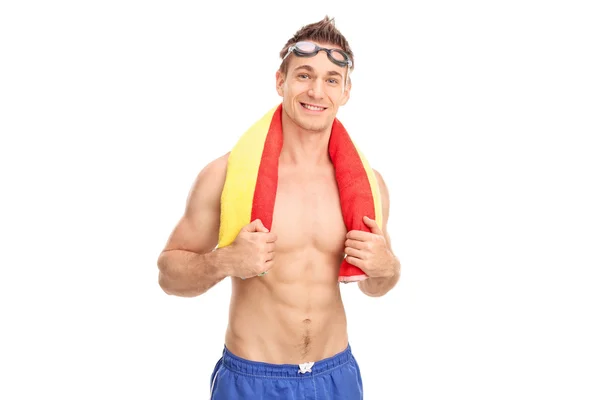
332 81
303 76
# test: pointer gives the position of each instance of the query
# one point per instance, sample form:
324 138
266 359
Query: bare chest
307 213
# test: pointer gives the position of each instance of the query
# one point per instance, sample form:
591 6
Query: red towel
252 174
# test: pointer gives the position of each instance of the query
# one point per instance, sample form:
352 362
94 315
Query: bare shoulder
214 170
385 199
209 183
383 188
198 228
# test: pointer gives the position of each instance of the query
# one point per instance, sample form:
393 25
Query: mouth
313 107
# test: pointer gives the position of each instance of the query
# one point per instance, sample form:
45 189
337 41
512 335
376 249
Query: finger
355 261
269 257
372 224
252 226
360 236
353 253
271 237
356 244
270 247
256 226
260 227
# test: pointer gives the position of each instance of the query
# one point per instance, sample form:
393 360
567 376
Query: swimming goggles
308 49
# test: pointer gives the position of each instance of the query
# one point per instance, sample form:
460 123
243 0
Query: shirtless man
287 334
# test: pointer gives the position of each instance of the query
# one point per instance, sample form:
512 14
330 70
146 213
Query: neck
302 146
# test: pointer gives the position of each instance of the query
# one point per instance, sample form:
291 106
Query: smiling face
313 89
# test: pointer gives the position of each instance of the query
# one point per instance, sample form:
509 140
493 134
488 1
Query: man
287 334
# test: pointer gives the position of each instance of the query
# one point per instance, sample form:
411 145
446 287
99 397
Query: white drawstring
306 367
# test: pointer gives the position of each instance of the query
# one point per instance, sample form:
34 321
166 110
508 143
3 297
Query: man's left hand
369 251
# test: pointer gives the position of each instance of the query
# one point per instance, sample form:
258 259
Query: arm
378 286
189 265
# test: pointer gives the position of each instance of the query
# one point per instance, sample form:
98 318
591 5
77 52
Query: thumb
372 224
256 226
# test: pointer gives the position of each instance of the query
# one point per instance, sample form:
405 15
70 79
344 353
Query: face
313 90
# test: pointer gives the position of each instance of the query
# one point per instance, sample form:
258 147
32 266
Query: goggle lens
338 55
308 49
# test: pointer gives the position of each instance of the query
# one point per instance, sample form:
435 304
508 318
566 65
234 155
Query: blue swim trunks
334 378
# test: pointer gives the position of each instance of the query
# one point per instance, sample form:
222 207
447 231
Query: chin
318 124
315 127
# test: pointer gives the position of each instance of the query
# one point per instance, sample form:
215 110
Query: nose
316 90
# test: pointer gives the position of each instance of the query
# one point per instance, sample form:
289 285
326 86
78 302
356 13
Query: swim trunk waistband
266 370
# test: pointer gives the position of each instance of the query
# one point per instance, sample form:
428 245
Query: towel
251 182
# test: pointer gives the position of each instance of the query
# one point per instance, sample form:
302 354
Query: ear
279 80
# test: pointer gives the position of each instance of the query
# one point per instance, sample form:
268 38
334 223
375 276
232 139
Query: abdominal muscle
292 315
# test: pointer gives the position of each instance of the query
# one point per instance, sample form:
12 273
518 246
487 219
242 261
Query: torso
294 314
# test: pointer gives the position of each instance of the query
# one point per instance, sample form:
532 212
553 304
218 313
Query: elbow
378 287
170 287
168 279
164 282
370 291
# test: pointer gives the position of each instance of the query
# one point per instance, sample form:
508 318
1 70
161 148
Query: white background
481 116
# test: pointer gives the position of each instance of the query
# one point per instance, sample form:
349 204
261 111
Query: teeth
312 108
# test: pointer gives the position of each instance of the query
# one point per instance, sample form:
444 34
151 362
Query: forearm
376 287
188 274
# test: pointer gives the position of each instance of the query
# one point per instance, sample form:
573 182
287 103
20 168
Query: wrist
390 272
221 262
395 270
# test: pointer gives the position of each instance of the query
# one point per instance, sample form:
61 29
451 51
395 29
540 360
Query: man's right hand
254 250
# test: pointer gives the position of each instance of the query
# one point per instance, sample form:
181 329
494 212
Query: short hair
323 31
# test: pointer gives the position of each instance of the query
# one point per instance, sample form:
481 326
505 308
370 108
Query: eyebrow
311 69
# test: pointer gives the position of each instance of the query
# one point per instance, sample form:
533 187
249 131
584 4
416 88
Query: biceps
198 228
197 232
